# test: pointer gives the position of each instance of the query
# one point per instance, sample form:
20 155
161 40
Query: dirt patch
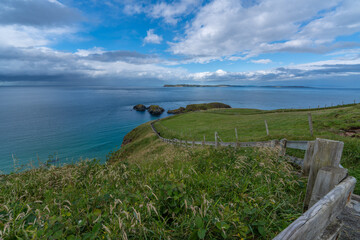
351 132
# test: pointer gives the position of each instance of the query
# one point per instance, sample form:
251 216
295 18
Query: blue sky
150 43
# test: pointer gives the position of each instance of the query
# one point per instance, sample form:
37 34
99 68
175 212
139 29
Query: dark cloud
124 56
36 13
323 70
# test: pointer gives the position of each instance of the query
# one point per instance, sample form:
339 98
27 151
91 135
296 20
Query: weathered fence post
283 143
267 128
326 153
216 142
326 180
237 139
308 158
193 143
274 143
310 124
204 141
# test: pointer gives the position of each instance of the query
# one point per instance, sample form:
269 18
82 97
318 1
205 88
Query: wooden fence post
216 142
283 147
204 141
326 153
310 124
237 139
326 180
308 158
193 143
267 128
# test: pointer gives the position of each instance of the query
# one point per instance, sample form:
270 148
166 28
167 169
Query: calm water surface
72 123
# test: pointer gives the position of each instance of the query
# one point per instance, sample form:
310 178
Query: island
155 110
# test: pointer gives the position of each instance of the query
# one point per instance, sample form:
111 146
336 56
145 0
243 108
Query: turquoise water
72 123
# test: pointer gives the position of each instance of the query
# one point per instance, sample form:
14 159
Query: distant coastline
222 85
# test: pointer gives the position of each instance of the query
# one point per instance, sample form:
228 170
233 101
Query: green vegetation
338 123
177 111
140 107
155 110
199 107
151 190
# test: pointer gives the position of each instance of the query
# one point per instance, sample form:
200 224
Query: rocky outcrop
139 107
155 110
177 111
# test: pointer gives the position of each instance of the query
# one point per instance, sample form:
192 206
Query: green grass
151 190
284 123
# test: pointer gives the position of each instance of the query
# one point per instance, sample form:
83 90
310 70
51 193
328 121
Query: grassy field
151 190
331 123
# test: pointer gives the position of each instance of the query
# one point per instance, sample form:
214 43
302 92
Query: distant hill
194 85
223 85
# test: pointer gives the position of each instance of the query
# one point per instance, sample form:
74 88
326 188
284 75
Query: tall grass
171 193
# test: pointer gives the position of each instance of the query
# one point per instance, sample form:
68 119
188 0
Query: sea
66 124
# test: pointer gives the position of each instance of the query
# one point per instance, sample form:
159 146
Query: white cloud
28 36
151 37
220 72
171 13
224 28
262 61
87 52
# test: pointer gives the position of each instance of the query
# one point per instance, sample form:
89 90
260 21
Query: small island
140 107
152 109
155 110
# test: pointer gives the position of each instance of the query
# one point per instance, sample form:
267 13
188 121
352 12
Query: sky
151 43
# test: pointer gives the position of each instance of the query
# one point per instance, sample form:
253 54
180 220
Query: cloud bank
226 28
